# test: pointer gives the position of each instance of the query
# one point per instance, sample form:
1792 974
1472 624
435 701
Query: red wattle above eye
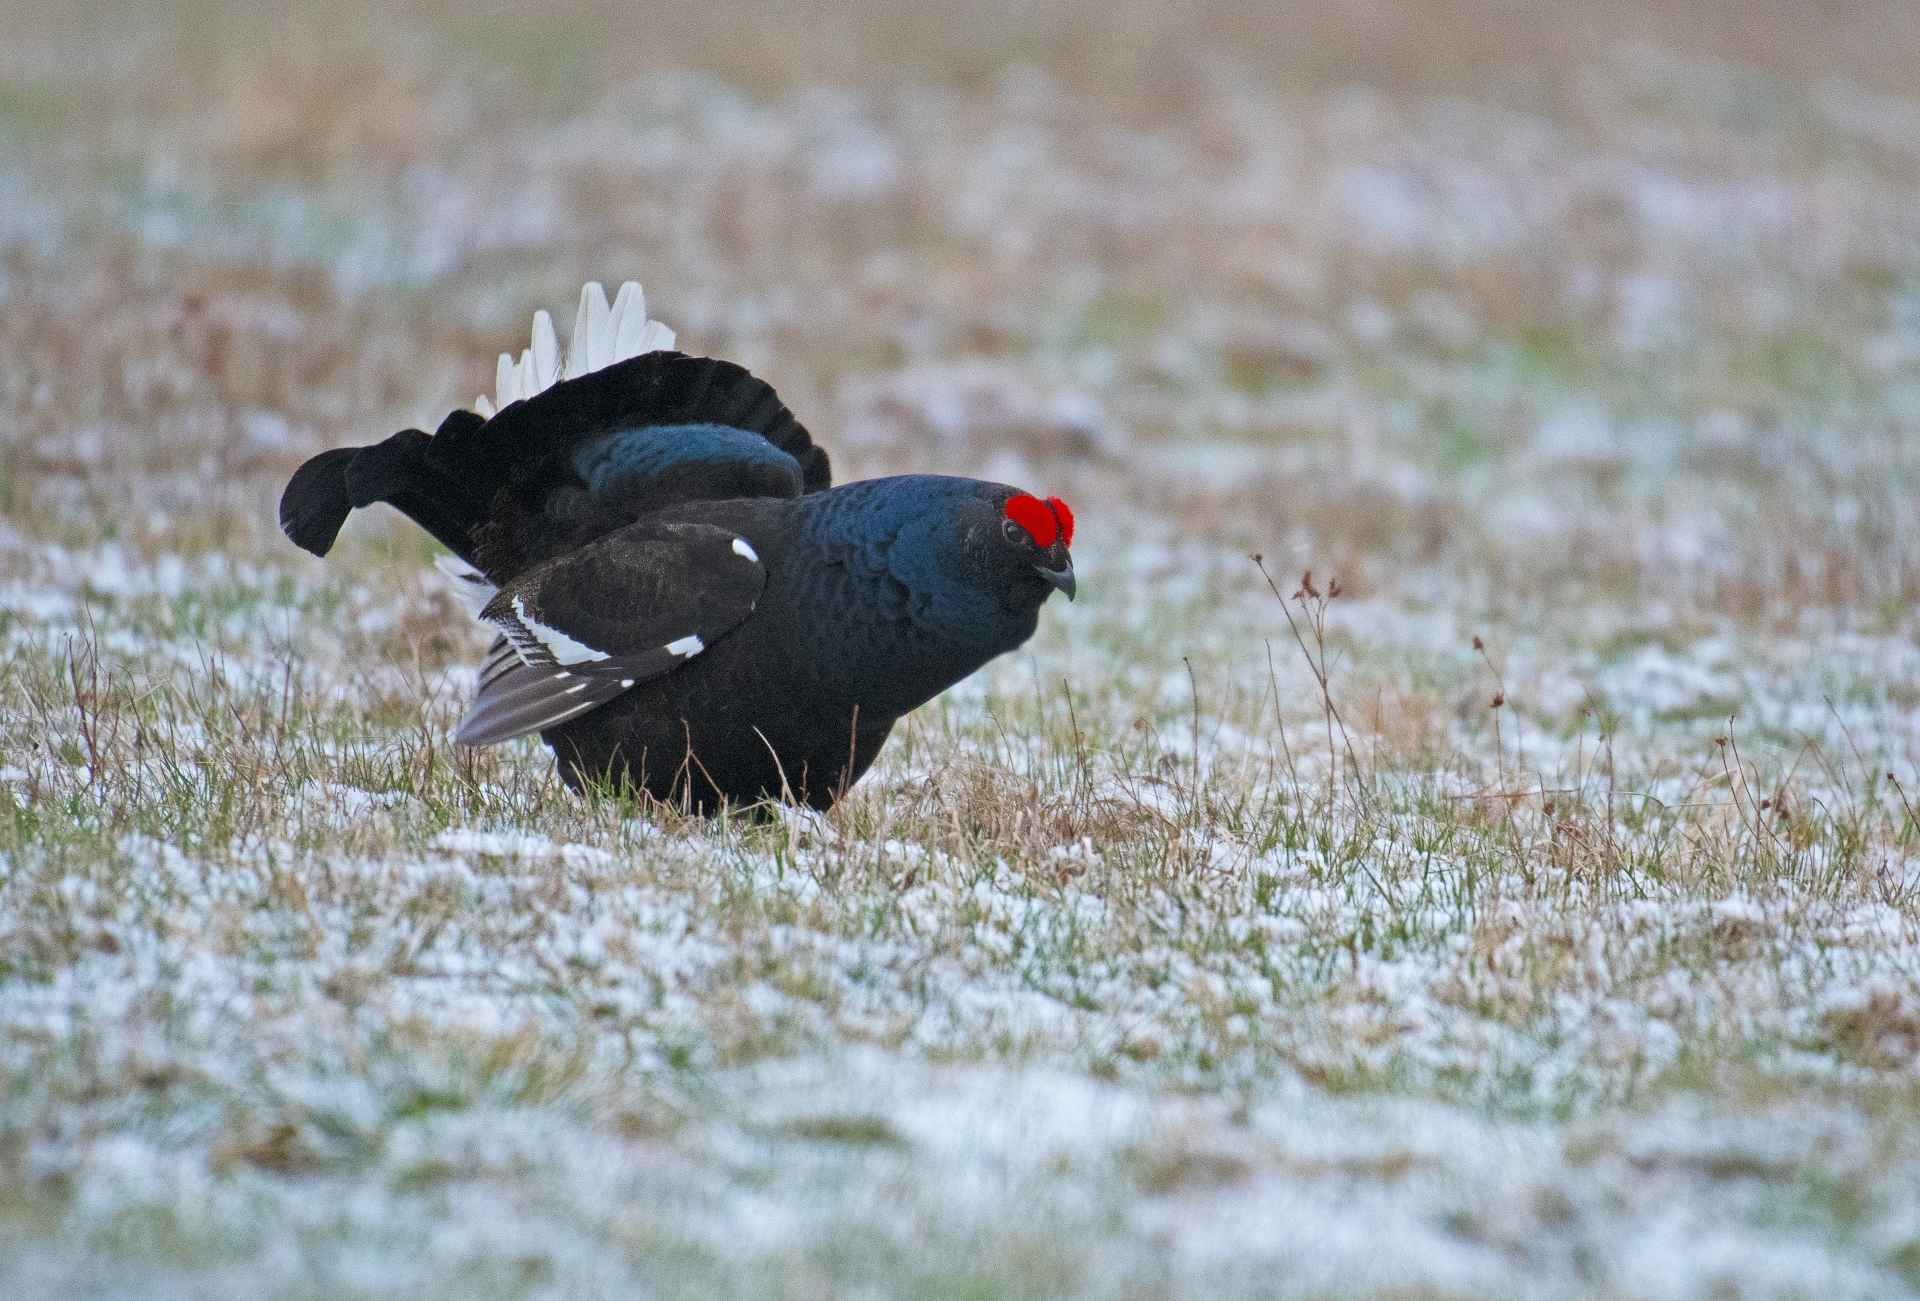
1031 514
1066 519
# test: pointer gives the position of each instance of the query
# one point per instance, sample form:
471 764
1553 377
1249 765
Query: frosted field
1587 361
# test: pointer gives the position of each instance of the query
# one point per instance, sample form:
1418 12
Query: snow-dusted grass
1141 965
1094 984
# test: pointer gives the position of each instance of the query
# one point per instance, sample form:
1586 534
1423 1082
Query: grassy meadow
1461 843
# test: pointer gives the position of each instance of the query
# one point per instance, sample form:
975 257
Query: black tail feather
316 502
400 473
326 488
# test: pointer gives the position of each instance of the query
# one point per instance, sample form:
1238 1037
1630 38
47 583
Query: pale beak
1059 579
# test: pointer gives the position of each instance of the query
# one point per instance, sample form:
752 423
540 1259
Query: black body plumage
685 603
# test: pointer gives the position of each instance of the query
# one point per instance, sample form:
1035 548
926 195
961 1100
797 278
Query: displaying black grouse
684 603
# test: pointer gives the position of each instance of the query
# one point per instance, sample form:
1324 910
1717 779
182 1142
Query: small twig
1901 791
853 748
1193 686
1084 777
1280 719
1499 702
1317 621
1734 787
1865 771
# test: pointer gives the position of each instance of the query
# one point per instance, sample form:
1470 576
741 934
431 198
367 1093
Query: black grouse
684 602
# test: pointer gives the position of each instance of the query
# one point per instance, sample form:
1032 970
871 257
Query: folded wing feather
580 630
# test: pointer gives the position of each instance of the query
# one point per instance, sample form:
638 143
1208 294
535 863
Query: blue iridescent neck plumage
911 528
921 607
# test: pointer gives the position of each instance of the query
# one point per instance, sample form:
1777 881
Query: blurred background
1603 301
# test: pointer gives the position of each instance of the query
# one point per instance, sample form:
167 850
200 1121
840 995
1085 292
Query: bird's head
980 558
1034 536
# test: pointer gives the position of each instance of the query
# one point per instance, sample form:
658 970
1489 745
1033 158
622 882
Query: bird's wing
585 627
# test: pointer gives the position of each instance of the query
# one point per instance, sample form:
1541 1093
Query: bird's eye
1015 534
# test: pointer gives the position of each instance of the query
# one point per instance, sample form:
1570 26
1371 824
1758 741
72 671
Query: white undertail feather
602 335
470 586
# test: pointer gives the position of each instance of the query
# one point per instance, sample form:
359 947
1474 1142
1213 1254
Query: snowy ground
1568 945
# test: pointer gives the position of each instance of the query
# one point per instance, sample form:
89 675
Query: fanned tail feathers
602 335
324 491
